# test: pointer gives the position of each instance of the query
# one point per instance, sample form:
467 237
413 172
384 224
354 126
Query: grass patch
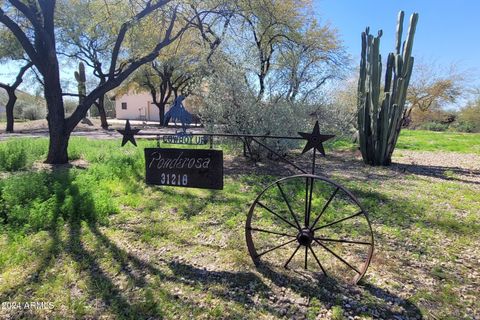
439 141
423 140
98 242
19 153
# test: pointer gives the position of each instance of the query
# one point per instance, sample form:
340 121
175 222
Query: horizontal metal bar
280 156
228 135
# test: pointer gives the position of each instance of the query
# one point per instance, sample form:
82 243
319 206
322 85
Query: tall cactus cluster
380 113
81 82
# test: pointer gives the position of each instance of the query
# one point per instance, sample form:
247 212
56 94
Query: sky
448 32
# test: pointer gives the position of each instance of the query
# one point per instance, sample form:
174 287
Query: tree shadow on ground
100 284
404 213
456 174
330 292
241 287
104 292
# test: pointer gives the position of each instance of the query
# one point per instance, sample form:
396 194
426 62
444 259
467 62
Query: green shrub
18 154
12 157
22 195
36 200
464 126
337 313
433 126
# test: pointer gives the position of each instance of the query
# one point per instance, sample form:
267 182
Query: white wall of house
136 107
139 106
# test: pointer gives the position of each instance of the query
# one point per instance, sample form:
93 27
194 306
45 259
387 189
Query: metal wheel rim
248 229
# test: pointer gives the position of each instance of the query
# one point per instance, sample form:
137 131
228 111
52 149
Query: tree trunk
59 133
102 113
161 111
58 146
261 92
12 98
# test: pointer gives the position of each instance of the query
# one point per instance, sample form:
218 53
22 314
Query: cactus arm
399 32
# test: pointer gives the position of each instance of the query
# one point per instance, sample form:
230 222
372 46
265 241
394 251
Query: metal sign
188 168
181 138
178 112
304 226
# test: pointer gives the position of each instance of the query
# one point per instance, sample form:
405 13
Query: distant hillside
27 106
22 95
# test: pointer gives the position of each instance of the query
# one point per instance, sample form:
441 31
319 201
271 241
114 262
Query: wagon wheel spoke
337 256
276 214
338 221
325 207
291 257
344 241
306 255
305 216
273 232
318 261
308 200
275 248
289 206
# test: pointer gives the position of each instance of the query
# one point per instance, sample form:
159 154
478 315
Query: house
136 106
140 106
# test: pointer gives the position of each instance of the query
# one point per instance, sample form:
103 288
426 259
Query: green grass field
96 242
439 141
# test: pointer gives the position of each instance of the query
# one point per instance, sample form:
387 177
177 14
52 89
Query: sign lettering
190 168
186 139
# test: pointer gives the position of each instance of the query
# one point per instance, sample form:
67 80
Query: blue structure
178 113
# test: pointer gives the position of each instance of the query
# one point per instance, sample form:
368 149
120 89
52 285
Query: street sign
188 168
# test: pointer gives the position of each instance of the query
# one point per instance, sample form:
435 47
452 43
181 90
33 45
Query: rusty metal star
128 134
315 139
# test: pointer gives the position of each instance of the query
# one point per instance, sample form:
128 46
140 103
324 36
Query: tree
84 38
178 69
308 63
11 50
469 116
432 86
267 24
33 25
166 79
284 50
182 67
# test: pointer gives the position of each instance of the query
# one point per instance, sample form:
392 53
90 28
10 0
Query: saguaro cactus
81 80
380 114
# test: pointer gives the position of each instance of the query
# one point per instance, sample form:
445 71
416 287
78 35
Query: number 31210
173 179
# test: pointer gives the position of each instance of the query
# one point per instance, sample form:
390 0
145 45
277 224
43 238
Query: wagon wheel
312 224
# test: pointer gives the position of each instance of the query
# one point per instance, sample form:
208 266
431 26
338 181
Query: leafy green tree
267 24
177 70
283 49
33 23
182 68
83 37
306 64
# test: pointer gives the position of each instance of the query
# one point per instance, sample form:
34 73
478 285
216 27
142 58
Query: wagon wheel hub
305 237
